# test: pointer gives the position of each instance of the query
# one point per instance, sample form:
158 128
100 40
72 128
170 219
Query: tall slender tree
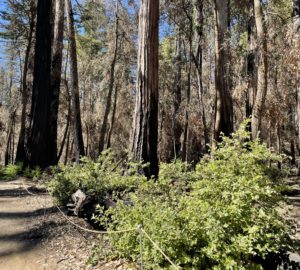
262 70
224 107
145 123
21 152
111 83
56 65
76 114
198 61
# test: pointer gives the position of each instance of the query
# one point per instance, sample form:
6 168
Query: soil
34 235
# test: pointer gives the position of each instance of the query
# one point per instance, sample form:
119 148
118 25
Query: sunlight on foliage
223 219
11 171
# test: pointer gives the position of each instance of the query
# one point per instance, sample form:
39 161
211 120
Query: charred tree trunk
224 108
42 150
262 70
21 152
145 123
111 84
56 68
76 115
251 69
9 151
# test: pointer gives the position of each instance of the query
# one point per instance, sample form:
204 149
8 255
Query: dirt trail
20 226
35 236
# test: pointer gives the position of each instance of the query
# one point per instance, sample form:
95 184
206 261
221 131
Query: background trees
218 64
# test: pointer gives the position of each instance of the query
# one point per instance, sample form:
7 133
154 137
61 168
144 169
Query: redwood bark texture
262 71
224 107
145 122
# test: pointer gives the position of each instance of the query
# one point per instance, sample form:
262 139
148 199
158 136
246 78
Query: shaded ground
35 236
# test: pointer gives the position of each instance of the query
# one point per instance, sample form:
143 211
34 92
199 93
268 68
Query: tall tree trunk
198 5
111 84
251 69
42 150
224 108
21 152
66 133
145 123
185 144
76 117
9 151
112 121
56 68
262 70
177 129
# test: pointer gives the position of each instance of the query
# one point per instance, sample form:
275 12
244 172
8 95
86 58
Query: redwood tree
145 123
41 143
224 108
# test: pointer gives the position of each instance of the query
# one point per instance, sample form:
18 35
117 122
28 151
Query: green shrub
10 171
33 173
97 179
226 216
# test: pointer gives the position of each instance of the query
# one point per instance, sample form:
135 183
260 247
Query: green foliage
33 173
97 179
10 171
226 215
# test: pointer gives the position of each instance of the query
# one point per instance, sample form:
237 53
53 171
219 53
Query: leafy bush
10 171
97 179
33 173
225 217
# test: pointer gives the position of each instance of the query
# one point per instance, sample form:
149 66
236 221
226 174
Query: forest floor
34 235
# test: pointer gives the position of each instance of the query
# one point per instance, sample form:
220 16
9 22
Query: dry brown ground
35 236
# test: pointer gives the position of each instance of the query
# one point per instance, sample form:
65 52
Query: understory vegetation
221 215
11 171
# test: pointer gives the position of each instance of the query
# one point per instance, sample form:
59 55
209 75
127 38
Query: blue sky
164 29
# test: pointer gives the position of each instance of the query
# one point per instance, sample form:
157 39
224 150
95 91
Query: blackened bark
56 68
145 123
42 150
9 151
76 115
251 69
